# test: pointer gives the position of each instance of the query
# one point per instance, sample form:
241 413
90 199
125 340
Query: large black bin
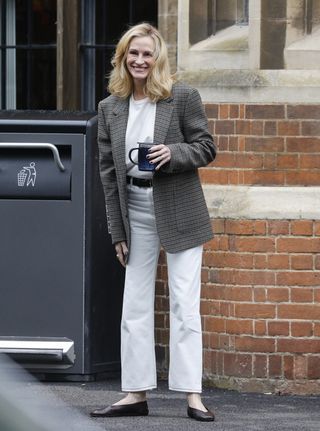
60 284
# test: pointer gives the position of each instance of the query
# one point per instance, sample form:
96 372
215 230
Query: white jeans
137 326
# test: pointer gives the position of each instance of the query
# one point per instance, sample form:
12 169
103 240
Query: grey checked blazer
181 213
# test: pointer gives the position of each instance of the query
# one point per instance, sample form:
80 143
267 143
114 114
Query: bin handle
51 147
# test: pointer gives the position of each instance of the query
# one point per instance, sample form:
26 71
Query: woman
146 210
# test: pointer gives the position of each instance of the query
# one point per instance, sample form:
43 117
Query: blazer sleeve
109 180
199 149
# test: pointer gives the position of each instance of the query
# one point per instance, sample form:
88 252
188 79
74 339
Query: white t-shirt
140 128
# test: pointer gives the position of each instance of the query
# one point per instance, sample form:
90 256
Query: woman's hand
122 252
159 154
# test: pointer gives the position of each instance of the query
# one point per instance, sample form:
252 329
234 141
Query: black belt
140 182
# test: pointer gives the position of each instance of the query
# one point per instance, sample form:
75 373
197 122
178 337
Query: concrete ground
167 410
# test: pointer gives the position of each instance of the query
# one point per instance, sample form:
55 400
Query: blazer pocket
190 207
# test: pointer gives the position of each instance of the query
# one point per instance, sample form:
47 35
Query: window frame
9 49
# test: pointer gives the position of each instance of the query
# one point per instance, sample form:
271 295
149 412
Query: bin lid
46 121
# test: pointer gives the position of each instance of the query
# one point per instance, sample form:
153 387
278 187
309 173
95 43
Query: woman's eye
136 54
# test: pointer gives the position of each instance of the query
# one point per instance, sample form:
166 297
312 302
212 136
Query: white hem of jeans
191 391
146 388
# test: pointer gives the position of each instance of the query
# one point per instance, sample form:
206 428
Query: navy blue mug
143 151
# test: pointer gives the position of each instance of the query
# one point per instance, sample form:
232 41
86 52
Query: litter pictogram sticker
27 175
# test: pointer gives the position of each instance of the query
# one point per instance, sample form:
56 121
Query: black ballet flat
199 415
135 409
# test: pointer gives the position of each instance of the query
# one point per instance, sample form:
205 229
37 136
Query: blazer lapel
118 126
163 118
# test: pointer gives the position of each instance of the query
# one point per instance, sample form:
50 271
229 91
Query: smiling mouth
142 69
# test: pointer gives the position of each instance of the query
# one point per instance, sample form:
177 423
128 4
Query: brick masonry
265 145
260 300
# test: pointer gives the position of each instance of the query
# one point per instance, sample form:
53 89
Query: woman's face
140 58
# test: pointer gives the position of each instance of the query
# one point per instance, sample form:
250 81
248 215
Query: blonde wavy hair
159 81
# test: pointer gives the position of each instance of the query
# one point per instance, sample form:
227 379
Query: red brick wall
261 278
265 145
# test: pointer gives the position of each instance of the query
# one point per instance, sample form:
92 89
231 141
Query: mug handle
133 149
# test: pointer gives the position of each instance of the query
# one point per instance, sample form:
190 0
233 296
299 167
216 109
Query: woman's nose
139 59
